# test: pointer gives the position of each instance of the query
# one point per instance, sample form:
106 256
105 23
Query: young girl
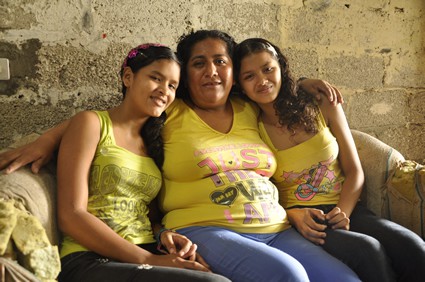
319 175
108 175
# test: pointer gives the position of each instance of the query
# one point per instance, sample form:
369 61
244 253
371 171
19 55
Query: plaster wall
65 55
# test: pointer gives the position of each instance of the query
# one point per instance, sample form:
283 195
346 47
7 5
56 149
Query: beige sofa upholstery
36 192
378 161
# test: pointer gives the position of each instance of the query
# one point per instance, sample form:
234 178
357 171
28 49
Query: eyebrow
214 56
163 76
157 73
262 66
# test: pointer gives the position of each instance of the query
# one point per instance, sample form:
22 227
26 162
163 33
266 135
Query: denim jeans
91 267
283 256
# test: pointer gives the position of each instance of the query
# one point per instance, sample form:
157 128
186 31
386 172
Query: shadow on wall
23 66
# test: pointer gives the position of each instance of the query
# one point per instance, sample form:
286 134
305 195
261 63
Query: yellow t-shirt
218 179
309 173
121 185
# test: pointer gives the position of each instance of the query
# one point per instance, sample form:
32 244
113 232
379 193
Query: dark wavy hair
184 52
139 57
293 106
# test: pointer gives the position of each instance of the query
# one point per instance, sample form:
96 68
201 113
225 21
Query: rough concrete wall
65 54
374 51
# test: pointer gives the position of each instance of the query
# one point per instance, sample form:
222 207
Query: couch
387 188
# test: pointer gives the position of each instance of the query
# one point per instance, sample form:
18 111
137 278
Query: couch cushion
406 196
378 160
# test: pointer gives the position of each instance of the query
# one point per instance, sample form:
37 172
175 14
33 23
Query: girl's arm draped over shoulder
318 87
38 152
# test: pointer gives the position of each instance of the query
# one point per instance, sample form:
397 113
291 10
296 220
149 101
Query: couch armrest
378 161
36 193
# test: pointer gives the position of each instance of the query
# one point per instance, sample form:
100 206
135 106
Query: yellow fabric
121 185
406 196
309 173
216 179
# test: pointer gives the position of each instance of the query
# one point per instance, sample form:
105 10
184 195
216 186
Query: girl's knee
371 246
289 270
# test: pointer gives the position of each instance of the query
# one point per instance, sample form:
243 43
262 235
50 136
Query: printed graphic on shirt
238 172
120 196
235 162
251 190
318 180
259 198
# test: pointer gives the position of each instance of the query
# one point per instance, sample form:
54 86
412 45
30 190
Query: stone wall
65 54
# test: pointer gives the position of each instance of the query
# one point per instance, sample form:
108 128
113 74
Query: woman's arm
41 150
38 152
318 87
350 165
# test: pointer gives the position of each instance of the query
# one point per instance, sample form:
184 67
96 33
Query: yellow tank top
218 179
309 173
121 185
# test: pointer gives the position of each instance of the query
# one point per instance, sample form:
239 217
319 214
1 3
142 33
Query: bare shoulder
85 115
83 124
83 132
87 118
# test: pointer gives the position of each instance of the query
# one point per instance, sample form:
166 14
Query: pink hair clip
135 51
132 53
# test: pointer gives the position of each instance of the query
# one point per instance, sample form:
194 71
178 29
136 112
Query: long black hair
293 106
139 57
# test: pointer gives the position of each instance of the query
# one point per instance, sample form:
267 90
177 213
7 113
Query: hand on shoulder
319 88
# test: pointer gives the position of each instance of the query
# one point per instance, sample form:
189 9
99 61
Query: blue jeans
283 256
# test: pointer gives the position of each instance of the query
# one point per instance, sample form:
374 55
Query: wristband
158 236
